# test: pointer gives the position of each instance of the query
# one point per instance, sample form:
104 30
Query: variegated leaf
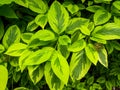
79 65
58 17
11 36
52 80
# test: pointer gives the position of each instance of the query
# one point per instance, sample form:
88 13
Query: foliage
59 45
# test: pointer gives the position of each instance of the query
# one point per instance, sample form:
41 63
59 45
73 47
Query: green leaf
21 88
110 47
75 24
38 6
22 59
77 46
41 20
101 79
117 21
16 49
52 80
117 4
58 17
72 8
85 30
98 40
2 49
39 56
7 11
11 36
16 76
109 85
91 53
109 31
101 16
5 2
26 37
94 8
79 65
36 73
60 67
63 49
44 35
90 80
102 54
115 44
1 29
3 77
64 40
32 26
22 2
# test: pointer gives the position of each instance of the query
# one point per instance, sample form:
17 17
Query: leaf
101 16
52 80
39 56
16 49
16 76
64 40
41 20
63 49
32 26
2 49
90 80
60 67
79 65
44 35
117 21
109 31
117 4
101 79
72 8
11 36
5 2
77 46
22 2
85 30
21 88
26 37
109 85
115 45
109 47
3 77
38 6
7 11
91 53
75 24
22 59
58 17
1 29
103 59
98 40
94 8
36 73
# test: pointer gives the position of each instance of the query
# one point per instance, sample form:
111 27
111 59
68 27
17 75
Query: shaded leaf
1 29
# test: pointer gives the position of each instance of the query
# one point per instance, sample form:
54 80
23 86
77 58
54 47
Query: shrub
59 44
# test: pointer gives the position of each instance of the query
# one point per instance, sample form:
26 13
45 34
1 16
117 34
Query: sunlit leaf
58 17
36 73
3 77
60 67
11 36
52 80
79 65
